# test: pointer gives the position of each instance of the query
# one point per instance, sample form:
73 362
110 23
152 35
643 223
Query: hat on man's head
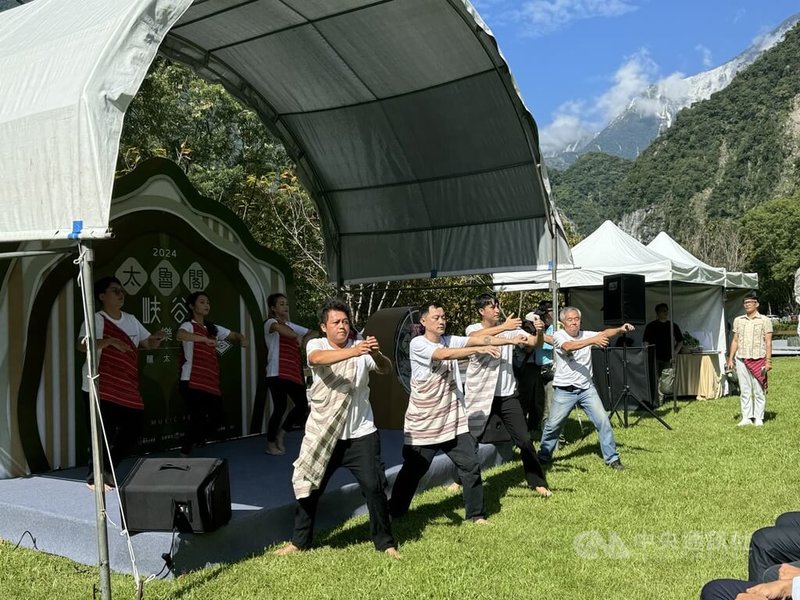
545 305
530 316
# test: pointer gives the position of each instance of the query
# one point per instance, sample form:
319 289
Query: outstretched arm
510 324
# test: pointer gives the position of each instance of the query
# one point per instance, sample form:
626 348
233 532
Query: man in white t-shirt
436 418
491 388
573 385
345 436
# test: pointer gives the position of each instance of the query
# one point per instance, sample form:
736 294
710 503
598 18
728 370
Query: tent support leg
86 257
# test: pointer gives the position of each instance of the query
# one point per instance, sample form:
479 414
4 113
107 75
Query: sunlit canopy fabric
68 71
403 119
666 246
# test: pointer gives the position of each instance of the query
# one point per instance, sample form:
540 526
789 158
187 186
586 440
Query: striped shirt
199 363
435 414
283 354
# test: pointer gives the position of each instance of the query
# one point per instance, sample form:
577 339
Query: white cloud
631 79
706 55
570 125
576 120
545 16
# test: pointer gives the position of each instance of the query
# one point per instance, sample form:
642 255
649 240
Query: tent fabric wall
695 309
67 73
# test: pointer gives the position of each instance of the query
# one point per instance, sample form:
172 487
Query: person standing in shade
751 352
436 418
665 335
543 355
340 431
118 335
199 379
284 371
491 388
573 385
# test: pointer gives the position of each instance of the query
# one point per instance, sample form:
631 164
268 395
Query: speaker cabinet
187 494
609 376
623 299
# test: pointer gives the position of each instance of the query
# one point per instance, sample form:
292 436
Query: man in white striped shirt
436 418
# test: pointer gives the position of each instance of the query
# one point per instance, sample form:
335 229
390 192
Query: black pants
280 389
206 416
724 589
769 548
509 410
531 395
463 451
362 456
774 545
123 426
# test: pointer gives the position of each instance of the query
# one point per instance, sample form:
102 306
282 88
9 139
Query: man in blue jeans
573 385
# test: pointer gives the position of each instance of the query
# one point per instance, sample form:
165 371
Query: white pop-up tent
694 291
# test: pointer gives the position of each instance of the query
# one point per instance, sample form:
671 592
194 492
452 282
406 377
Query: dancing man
436 418
491 388
573 385
340 430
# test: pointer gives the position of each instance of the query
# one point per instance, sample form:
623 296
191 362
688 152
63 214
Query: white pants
752 394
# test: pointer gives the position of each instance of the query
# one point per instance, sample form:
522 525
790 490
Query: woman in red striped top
199 384
284 370
119 335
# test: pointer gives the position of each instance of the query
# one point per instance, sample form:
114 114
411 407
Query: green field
680 514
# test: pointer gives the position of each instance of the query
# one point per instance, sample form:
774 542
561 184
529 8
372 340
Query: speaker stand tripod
626 393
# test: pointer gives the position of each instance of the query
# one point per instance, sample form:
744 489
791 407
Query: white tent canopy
666 246
68 71
402 116
694 289
610 251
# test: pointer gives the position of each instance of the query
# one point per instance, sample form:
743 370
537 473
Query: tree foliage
772 230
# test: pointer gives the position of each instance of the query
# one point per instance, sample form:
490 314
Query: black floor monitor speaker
623 299
187 494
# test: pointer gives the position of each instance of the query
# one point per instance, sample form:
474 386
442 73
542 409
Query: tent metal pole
554 270
672 349
86 259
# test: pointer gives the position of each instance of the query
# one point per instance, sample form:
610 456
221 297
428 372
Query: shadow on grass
447 512
185 587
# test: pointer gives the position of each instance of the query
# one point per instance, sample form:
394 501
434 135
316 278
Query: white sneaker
744 422
759 423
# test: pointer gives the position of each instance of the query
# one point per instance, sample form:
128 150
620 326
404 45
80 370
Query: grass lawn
681 514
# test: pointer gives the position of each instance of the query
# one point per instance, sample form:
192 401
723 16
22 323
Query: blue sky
578 62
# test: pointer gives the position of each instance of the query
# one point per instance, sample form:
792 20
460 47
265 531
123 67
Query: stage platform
58 510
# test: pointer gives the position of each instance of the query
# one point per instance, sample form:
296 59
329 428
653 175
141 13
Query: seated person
658 334
771 548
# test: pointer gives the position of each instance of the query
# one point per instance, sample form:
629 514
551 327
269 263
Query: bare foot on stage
454 488
480 521
272 448
543 491
393 552
288 549
279 441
